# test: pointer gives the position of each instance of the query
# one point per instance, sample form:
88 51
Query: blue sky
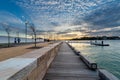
65 17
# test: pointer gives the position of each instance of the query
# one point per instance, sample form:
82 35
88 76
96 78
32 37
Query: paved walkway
10 52
68 66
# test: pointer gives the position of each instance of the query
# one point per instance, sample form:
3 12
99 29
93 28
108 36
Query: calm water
107 57
4 39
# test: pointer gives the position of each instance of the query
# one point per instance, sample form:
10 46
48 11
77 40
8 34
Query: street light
26 23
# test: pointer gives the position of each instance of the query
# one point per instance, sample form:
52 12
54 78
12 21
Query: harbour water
107 57
4 39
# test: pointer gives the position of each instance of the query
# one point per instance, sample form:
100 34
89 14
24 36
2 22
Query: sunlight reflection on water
107 57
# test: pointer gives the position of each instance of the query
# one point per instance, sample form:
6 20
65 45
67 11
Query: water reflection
107 57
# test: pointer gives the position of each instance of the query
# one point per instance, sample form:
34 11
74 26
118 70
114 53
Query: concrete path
68 66
7 53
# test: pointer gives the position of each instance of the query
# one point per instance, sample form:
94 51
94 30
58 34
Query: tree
7 29
26 24
32 27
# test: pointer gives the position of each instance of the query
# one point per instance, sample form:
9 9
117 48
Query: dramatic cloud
106 16
104 19
10 18
90 17
13 22
61 12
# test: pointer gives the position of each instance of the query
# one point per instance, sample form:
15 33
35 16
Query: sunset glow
66 18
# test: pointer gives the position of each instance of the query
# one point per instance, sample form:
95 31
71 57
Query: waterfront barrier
74 50
30 66
90 63
105 75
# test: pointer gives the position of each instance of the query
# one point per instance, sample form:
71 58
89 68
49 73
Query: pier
57 61
68 66
99 44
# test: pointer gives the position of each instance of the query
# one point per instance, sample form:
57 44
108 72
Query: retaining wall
30 66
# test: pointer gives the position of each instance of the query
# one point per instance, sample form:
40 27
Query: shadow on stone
34 47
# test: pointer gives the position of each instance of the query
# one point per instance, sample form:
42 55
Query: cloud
55 23
15 24
64 16
106 16
63 11
104 19
69 35
6 17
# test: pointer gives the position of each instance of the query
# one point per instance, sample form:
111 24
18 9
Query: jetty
57 61
99 44
68 66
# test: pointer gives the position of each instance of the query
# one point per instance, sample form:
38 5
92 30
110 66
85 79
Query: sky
66 18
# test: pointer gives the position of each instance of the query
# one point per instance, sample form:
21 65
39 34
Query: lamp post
18 34
26 23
